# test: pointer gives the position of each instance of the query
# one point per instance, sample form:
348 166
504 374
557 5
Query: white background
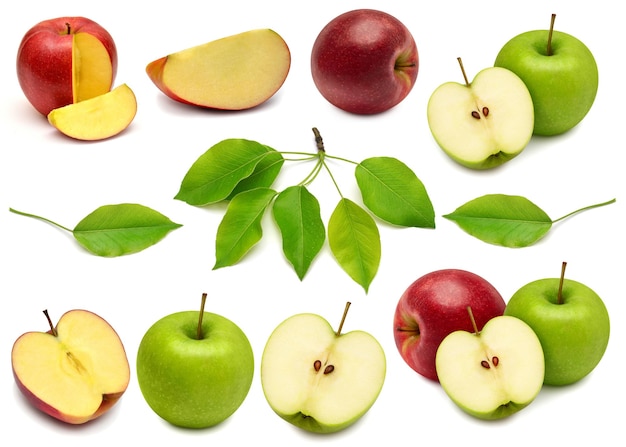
47 174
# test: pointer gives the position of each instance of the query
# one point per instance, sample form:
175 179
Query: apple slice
97 118
484 123
75 372
493 373
318 379
233 73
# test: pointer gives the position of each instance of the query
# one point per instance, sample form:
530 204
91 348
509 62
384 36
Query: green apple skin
194 383
563 85
574 335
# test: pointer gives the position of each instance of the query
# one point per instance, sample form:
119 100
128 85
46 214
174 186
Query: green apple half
560 73
194 381
571 322
493 373
484 123
318 379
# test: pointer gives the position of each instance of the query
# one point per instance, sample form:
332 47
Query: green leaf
215 174
264 174
297 214
355 242
509 221
393 192
115 230
240 228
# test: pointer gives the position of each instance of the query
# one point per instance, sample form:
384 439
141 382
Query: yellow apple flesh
97 118
76 373
233 73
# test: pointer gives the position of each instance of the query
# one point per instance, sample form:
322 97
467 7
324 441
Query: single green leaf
115 230
216 173
393 192
240 228
499 219
297 214
355 241
264 174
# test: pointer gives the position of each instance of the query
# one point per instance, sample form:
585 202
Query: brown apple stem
559 296
463 71
68 28
52 329
343 319
318 140
199 334
471 315
549 50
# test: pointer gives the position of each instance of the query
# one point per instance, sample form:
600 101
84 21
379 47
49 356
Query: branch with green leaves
242 172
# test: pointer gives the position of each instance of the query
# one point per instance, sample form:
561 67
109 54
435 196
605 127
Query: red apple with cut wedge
434 306
76 371
364 61
65 60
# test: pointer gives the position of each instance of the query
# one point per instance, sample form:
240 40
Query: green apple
493 373
484 123
560 73
571 321
321 380
194 368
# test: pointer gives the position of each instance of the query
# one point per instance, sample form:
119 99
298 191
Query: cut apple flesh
78 373
308 372
92 72
97 118
495 373
492 117
232 73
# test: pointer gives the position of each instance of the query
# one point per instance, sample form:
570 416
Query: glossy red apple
65 60
364 61
434 306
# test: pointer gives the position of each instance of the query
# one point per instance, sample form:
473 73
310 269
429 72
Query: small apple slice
97 118
318 379
484 123
74 372
493 373
92 69
233 73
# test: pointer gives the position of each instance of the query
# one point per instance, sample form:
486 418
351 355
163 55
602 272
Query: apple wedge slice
320 380
233 73
75 372
97 118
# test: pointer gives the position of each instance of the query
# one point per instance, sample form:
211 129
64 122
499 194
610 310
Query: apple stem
471 315
199 334
343 319
463 71
552 18
68 28
318 140
52 329
559 296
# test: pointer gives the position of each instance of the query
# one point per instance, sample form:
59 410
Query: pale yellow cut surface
92 72
97 118
232 73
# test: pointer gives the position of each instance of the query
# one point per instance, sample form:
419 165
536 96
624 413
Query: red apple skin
435 305
364 61
44 60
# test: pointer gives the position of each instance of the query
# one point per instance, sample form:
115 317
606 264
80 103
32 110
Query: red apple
364 61
65 60
434 306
